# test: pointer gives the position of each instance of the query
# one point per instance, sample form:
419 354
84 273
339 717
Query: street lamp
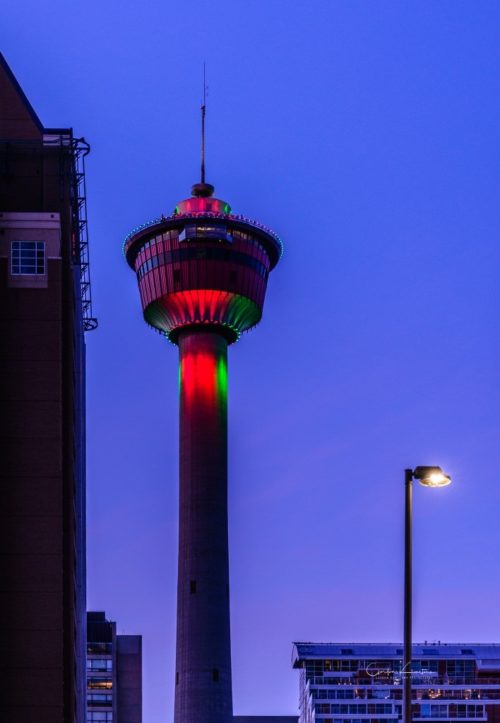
428 477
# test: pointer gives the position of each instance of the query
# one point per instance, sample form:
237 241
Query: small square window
27 258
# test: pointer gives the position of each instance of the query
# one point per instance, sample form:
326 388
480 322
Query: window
342 708
349 665
378 708
461 669
323 708
101 664
99 648
27 258
99 699
95 716
468 711
206 233
99 683
433 711
425 666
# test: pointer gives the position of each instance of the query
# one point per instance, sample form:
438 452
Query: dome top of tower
202 202
202 189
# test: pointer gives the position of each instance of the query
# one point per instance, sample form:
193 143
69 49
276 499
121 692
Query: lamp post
428 477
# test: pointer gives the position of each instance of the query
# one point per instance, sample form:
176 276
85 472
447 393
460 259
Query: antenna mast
202 189
203 112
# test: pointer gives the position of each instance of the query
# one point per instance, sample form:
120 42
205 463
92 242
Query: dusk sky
366 134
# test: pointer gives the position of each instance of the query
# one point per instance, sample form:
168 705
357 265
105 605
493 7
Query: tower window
27 258
192 587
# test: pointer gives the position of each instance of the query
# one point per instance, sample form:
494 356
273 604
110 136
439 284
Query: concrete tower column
203 668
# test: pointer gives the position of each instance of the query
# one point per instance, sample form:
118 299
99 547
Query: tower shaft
203 689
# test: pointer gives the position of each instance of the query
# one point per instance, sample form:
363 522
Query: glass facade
100 684
364 684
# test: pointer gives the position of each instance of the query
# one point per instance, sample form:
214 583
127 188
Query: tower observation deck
202 275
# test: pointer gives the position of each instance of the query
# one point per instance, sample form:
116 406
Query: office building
45 307
114 673
202 273
362 682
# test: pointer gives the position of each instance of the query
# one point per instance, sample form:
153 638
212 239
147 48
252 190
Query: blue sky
365 132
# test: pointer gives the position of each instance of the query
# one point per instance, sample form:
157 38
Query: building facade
44 310
114 673
362 683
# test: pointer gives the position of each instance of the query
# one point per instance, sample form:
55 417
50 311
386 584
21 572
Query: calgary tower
202 274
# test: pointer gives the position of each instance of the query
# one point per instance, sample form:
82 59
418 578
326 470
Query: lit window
99 683
28 258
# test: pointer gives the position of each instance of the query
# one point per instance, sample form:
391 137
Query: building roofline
58 131
21 93
302 651
421 643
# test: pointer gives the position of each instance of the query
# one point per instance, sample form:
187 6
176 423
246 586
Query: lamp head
431 476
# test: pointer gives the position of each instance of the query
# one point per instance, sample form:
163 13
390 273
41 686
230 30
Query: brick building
44 310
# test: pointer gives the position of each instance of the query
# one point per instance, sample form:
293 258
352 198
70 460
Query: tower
202 275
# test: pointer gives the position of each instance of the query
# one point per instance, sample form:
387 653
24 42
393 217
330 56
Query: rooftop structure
362 682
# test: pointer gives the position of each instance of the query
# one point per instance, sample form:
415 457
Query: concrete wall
129 678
